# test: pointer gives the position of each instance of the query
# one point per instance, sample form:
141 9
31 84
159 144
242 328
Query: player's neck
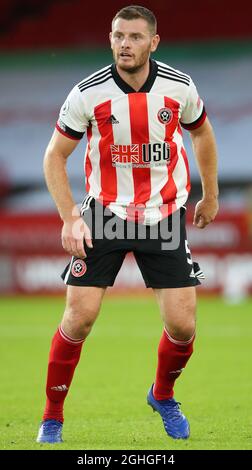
135 80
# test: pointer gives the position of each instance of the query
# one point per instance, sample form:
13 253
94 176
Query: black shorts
161 251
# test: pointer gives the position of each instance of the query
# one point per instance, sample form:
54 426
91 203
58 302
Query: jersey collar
146 86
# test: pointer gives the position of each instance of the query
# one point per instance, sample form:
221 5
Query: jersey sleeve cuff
197 123
67 131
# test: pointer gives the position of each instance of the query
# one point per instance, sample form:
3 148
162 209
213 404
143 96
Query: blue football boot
175 423
50 431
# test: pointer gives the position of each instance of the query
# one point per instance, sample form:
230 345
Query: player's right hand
74 232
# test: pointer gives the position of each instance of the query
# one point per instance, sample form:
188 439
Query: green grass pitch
106 407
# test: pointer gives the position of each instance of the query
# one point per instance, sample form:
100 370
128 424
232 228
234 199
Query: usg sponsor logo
140 155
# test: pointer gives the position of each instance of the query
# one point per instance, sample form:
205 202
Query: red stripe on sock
68 338
178 341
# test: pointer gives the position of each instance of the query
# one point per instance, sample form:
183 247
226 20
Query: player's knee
79 319
182 331
86 327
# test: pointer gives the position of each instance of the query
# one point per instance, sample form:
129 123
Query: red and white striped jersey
135 160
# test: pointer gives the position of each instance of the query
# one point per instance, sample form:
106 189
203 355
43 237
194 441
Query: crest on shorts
165 115
79 268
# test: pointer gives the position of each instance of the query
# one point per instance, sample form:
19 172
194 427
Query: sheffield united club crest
165 115
79 268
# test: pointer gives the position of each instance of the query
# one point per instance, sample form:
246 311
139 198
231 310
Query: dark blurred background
45 49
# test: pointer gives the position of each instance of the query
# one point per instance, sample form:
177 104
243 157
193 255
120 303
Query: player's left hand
205 212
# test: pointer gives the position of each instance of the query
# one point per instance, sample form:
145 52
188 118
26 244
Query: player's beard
139 63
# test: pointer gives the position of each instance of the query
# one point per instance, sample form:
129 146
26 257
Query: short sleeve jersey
135 160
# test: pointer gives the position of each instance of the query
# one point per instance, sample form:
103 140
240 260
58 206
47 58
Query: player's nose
125 42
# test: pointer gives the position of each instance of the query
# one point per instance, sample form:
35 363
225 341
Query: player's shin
63 359
173 356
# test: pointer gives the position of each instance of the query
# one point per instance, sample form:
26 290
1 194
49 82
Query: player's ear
155 42
110 38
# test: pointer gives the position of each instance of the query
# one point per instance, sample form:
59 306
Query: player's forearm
58 184
205 151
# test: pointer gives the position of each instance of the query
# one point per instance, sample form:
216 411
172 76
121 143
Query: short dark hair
133 12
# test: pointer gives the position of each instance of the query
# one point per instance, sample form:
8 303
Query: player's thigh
83 303
178 308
